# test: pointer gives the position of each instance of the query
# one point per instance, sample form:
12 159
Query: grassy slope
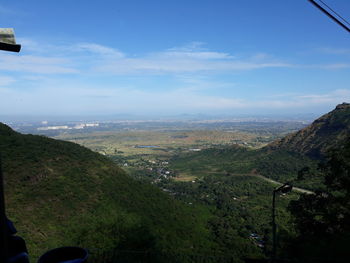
59 193
329 131
278 164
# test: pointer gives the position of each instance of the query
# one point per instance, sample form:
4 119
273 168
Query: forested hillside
322 219
59 193
280 165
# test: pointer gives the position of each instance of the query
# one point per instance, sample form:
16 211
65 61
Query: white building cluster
66 127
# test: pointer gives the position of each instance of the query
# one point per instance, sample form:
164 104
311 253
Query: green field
147 149
125 143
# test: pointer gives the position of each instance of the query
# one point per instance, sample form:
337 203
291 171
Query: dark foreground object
10 47
65 255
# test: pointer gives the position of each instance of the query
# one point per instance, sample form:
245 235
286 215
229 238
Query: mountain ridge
329 131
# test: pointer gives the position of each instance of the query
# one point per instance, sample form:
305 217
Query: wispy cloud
307 100
100 100
95 58
185 60
5 80
98 49
323 66
335 96
36 64
193 50
89 77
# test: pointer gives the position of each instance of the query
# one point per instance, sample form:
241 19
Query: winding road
296 189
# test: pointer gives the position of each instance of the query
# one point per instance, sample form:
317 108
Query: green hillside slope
329 131
280 165
280 160
59 193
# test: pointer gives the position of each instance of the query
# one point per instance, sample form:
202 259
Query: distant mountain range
16 119
327 132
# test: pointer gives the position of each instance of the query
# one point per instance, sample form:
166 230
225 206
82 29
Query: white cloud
190 58
91 57
183 62
307 100
36 64
39 91
195 45
5 80
192 50
81 99
99 59
30 45
332 97
206 55
101 101
99 49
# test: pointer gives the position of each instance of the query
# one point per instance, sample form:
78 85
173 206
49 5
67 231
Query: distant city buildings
66 127
195 150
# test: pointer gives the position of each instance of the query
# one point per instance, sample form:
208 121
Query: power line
330 15
335 12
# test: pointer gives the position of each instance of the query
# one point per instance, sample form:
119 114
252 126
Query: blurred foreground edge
65 255
7 40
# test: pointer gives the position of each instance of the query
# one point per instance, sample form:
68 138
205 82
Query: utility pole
7 43
285 188
3 227
274 227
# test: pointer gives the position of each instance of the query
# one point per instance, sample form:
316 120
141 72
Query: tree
323 218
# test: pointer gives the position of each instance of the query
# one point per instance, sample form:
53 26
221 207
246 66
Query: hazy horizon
153 117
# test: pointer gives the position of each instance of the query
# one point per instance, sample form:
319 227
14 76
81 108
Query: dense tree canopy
323 219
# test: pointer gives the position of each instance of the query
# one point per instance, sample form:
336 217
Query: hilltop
280 160
59 193
327 132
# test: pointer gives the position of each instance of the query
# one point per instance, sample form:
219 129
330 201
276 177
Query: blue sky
173 57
